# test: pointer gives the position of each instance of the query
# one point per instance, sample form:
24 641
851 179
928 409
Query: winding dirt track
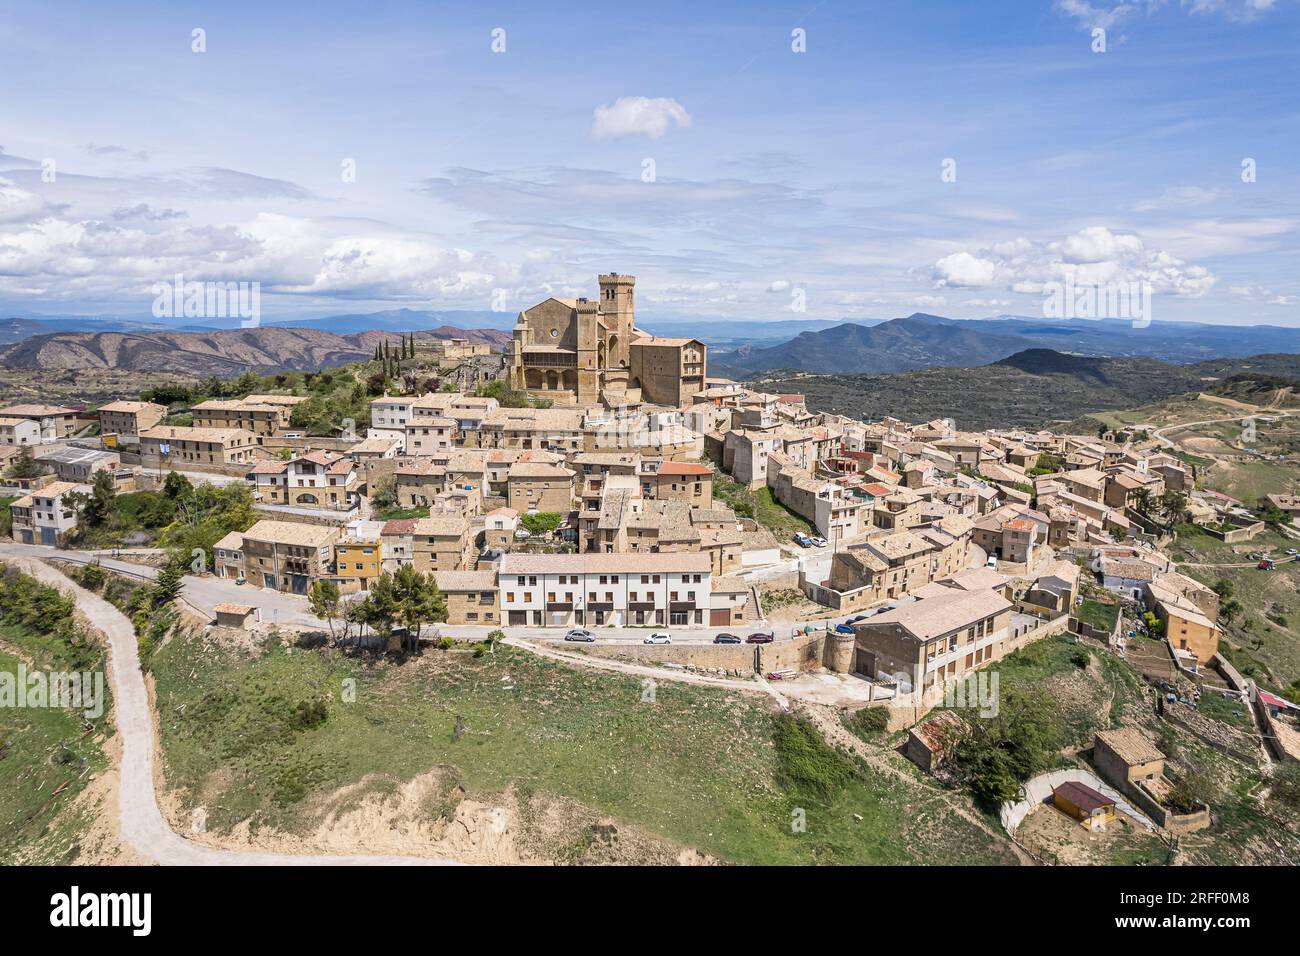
141 823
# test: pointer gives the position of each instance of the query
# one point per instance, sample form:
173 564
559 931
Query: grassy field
1250 479
700 767
1264 641
1098 615
43 749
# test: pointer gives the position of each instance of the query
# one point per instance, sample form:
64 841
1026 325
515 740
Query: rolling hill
925 341
1031 388
893 346
264 349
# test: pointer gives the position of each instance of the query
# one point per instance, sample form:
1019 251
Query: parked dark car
759 638
844 628
726 639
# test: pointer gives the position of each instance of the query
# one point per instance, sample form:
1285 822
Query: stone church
584 351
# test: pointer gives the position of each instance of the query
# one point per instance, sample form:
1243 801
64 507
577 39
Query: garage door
719 617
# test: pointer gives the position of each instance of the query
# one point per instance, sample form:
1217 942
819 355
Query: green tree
417 602
996 755
25 466
94 510
167 586
175 485
323 600
541 522
1173 504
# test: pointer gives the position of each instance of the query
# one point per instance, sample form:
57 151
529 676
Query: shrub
868 721
308 713
806 764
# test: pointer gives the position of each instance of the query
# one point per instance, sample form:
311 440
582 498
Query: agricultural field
264 742
1263 641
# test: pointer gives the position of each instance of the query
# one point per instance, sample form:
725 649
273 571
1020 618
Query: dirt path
837 735
1159 435
141 823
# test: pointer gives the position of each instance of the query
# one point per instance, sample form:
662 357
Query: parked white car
659 637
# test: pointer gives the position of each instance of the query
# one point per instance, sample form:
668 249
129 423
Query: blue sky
687 144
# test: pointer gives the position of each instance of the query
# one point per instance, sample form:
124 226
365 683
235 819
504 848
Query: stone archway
571 380
553 380
533 378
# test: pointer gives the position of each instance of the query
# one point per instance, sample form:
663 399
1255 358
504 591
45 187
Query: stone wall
733 659
803 653
1242 533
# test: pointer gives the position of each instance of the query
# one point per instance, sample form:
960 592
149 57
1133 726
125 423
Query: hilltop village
594 489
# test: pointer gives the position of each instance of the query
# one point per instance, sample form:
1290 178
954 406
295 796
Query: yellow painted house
357 563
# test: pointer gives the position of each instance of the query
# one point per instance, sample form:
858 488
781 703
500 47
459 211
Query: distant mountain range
1031 388
926 341
16 329
228 353
741 348
897 345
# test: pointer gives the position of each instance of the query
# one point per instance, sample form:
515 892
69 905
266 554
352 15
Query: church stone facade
584 351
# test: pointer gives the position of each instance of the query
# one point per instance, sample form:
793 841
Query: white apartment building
19 431
45 516
593 590
391 413
430 435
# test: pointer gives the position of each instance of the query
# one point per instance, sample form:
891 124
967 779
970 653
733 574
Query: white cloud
638 116
963 269
1092 256
1108 15
19 205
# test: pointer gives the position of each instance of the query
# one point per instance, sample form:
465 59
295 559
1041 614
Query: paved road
202 592
142 824
205 592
